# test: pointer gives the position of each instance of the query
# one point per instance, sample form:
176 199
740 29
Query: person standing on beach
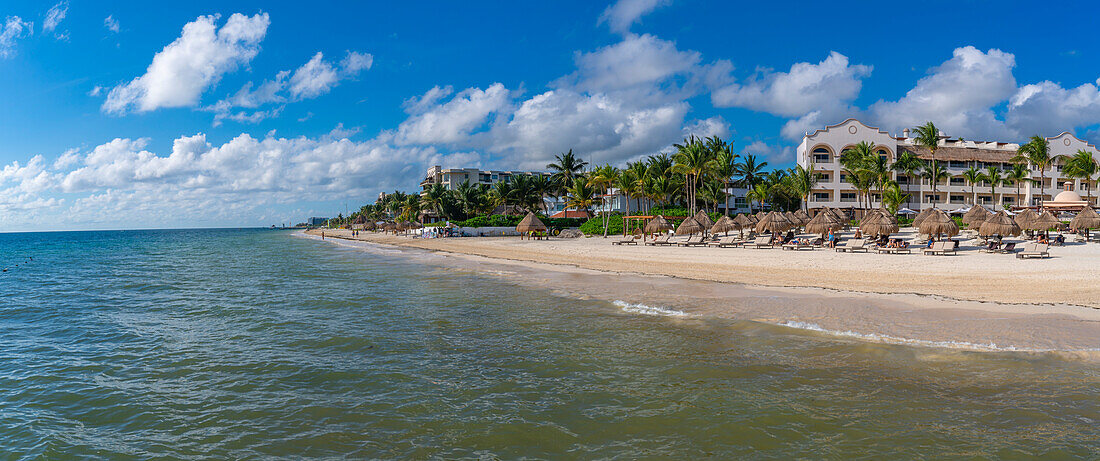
322 235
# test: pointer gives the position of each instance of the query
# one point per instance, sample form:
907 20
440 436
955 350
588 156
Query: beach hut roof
689 226
975 216
703 219
658 224
999 223
803 216
1043 222
724 224
773 222
530 223
823 223
793 218
1086 219
920 216
879 222
938 223
1025 217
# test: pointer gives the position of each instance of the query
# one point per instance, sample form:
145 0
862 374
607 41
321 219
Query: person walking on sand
322 235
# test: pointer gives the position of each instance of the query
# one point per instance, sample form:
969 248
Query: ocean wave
912 342
649 310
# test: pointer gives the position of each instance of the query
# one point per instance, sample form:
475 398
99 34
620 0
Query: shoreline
924 316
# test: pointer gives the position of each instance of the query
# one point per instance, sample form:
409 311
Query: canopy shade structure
773 222
879 222
530 223
999 224
975 216
1086 219
823 223
724 224
938 223
658 224
689 226
703 220
1043 222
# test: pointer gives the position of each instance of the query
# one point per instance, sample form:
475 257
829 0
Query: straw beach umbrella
938 223
773 222
823 223
742 222
803 217
879 222
703 220
920 216
1000 224
974 218
530 223
689 226
1085 220
724 224
658 224
1043 222
1025 217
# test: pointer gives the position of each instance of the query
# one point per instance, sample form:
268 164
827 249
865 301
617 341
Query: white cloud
1048 109
806 87
713 126
183 70
958 95
772 153
624 13
68 158
456 120
355 62
419 105
54 17
636 61
314 78
12 29
111 23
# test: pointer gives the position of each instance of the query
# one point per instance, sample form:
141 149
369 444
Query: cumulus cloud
54 17
624 13
314 78
456 120
958 95
111 23
1048 108
772 153
13 28
635 62
187 67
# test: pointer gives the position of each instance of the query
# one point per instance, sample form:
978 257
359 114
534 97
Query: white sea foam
906 341
649 310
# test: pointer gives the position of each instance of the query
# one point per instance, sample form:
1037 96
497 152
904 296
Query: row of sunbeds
941 248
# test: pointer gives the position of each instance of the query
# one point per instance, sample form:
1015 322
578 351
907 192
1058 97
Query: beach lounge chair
1034 250
1008 248
661 240
763 241
693 241
632 240
794 245
991 247
942 248
895 250
726 242
852 245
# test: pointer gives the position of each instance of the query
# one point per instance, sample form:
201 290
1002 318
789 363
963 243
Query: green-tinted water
253 344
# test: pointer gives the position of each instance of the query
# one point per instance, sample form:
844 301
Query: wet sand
973 300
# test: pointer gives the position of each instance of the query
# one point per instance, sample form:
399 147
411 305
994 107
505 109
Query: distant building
316 221
452 177
822 149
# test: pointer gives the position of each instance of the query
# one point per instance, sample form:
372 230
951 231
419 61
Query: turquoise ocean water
225 344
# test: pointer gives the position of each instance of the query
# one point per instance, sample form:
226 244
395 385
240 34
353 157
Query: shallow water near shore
253 343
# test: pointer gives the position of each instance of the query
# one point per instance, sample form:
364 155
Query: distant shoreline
951 293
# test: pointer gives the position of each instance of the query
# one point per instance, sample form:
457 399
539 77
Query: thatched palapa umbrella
791 218
530 223
724 224
999 224
760 215
938 223
974 218
1025 217
1085 220
879 222
743 221
369 225
773 222
823 223
689 226
703 220
1043 222
921 215
803 217
658 224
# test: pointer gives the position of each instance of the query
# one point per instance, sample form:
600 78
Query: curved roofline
850 119
1072 136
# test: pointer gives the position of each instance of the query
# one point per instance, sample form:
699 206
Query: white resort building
822 150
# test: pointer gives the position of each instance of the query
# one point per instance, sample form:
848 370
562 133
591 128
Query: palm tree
601 179
693 161
502 195
411 208
973 176
995 178
1036 153
565 168
434 197
759 194
893 197
581 197
928 136
725 167
627 183
1018 174
865 169
804 180
748 171
541 186
1083 165
934 173
910 165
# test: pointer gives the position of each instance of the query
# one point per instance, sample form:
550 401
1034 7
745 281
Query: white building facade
822 149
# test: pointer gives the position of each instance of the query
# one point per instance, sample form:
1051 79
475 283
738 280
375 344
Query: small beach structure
690 226
724 224
530 223
773 222
999 224
824 223
975 217
657 225
1024 218
703 220
879 222
1085 220
1043 222
919 218
938 223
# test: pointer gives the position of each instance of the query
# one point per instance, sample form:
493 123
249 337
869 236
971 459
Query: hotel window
739 202
1008 200
823 177
903 180
876 197
958 181
956 164
847 197
821 155
958 199
985 199
844 178
821 196
931 197
883 155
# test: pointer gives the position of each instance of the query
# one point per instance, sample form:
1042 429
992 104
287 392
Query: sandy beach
970 298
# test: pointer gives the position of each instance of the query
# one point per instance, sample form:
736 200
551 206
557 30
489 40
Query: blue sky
256 113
